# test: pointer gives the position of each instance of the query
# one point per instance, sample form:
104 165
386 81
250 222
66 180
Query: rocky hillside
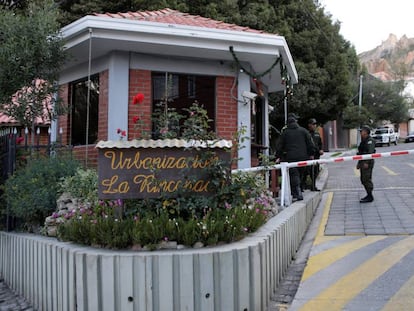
388 60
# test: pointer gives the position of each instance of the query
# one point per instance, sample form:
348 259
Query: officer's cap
365 128
312 121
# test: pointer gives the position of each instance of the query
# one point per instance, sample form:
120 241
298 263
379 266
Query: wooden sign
127 173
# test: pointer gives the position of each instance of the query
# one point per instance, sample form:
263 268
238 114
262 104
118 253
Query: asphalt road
362 255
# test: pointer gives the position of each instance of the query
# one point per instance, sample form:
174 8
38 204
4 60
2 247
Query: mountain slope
392 60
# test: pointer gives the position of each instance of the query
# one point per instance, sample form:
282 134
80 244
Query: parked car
409 138
385 136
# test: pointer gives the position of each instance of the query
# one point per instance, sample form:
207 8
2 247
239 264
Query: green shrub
239 206
32 191
196 125
100 225
82 185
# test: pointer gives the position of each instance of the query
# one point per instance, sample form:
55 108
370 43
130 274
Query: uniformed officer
295 145
367 146
313 170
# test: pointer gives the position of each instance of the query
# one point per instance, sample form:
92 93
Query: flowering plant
196 126
166 121
138 99
138 120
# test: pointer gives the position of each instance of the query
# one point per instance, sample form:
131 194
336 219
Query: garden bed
237 276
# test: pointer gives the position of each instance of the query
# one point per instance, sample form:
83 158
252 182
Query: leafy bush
82 185
103 230
32 191
118 224
196 126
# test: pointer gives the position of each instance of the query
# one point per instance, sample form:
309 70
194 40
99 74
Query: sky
367 23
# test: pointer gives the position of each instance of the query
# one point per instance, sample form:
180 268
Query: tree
75 9
325 61
381 101
31 56
355 116
384 102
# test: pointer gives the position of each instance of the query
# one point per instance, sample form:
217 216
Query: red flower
123 133
118 131
135 119
138 99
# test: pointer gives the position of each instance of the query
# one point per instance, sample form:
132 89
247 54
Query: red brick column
103 106
226 111
139 82
226 114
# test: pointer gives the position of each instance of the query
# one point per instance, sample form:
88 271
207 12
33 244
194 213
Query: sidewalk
9 301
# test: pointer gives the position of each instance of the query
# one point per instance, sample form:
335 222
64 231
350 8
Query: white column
118 87
243 120
266 135
266 125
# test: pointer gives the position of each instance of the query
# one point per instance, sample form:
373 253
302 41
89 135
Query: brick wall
403 127
89 160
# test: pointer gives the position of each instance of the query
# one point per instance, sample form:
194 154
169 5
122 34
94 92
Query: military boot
367 199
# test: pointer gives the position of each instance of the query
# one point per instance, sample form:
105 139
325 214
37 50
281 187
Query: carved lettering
148 172
112 187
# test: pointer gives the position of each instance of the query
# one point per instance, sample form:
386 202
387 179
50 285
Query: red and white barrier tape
352 158
330 160
285 195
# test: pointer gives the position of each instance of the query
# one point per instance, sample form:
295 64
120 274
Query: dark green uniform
313 170
317 140
367 146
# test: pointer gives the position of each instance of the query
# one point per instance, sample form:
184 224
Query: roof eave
257 49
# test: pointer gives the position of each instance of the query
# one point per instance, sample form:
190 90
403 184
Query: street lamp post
360 95
359 105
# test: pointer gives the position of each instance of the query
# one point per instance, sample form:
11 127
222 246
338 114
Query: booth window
78 111
182 90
